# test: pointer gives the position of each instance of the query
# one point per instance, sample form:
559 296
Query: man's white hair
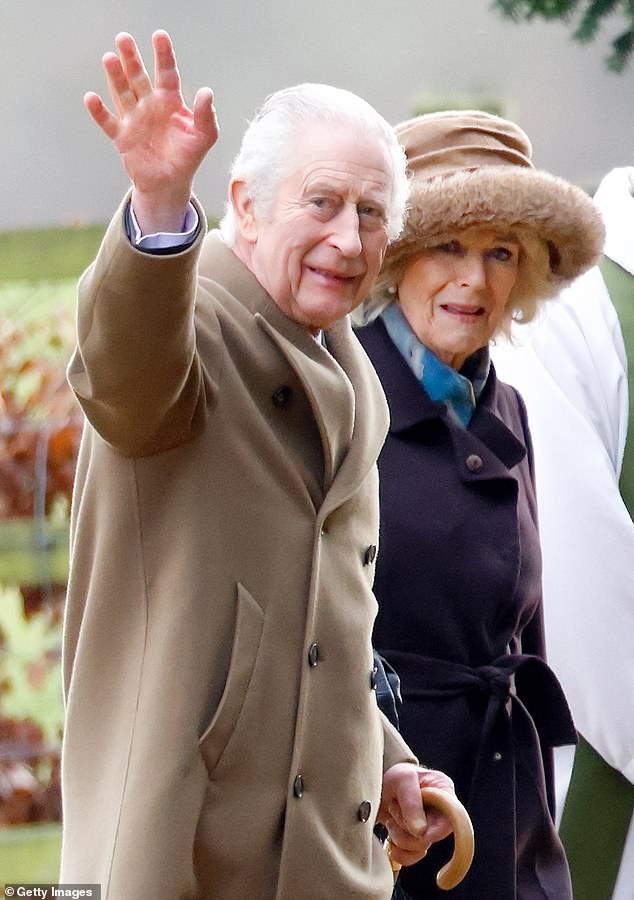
268 148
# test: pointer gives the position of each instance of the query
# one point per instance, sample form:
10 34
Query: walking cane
455 870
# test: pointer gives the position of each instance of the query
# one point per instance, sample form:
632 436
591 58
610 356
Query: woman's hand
411 828
162 142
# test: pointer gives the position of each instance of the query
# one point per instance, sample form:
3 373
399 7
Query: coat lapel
371 418
329 391
487 436
347 402
341 385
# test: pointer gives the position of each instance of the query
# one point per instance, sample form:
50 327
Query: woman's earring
392 290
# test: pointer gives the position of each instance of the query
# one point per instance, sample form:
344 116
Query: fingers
166 75
101 115
133 66
411 812
405 848
127 77
438 826
119 87
205 118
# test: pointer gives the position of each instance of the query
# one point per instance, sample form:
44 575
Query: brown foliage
40 427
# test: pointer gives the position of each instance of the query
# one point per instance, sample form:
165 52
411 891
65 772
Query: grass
51 254
31 302
47 254
30 853
33 552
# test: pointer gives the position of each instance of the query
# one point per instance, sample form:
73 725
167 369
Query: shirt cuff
163 240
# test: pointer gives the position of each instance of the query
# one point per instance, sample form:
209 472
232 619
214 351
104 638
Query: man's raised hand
162 142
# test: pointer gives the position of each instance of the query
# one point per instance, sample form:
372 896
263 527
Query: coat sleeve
135 370
395 750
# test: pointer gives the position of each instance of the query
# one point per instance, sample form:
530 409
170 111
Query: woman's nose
471 271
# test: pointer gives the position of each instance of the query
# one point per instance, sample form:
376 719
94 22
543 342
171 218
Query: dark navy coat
458 582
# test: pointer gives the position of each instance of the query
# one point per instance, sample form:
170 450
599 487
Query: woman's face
454 296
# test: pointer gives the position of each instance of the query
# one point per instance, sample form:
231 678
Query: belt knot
495 680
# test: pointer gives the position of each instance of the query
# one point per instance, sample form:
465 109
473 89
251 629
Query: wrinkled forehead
343 148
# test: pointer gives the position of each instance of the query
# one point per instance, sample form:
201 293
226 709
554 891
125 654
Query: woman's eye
502 254
450 247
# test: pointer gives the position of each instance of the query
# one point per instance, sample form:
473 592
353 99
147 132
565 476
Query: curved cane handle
455 870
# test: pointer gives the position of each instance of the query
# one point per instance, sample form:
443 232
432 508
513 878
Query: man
573 368
222 738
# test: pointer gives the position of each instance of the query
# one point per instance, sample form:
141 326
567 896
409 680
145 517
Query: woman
487 238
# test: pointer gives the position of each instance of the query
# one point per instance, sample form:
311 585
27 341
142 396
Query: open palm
160 139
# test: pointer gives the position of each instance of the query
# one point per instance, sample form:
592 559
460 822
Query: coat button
370 555
497 756
474 462
373 679
313 654
298 786
282 396
364 811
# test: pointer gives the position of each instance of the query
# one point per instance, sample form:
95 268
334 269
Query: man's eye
372 217
321 202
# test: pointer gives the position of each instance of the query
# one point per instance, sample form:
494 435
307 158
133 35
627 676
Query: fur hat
469 168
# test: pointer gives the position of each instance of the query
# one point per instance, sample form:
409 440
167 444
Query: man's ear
242 203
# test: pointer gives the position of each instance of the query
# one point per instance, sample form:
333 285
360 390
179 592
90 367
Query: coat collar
487 436
342 388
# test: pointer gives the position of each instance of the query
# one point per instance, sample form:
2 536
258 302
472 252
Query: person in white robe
571 367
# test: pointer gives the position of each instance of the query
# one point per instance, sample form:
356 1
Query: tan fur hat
471 168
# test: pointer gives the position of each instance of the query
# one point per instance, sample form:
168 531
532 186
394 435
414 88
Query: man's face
319 249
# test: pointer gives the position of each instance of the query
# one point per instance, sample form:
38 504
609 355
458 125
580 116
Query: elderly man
222 736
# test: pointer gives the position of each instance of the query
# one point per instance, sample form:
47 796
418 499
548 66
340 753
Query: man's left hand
411 828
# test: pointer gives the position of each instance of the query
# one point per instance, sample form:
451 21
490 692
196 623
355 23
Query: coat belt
539 713
544 698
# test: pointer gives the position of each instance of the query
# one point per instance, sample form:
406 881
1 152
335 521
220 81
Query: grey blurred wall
58 168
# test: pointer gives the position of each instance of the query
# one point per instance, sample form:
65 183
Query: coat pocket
246 642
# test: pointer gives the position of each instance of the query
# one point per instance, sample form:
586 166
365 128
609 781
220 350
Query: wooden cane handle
448 804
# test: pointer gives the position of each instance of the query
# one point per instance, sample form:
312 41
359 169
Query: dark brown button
282 396
364 811
298 787
313 654
474 462
373 675
370 555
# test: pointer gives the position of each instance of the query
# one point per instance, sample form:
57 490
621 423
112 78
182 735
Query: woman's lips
457 310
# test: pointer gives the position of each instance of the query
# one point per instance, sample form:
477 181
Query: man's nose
345 233
471 271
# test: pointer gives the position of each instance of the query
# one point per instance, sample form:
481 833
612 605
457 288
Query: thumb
205 118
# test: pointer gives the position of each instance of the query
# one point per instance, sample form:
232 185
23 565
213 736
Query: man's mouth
332 276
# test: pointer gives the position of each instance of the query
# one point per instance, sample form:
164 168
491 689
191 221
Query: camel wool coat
222 736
